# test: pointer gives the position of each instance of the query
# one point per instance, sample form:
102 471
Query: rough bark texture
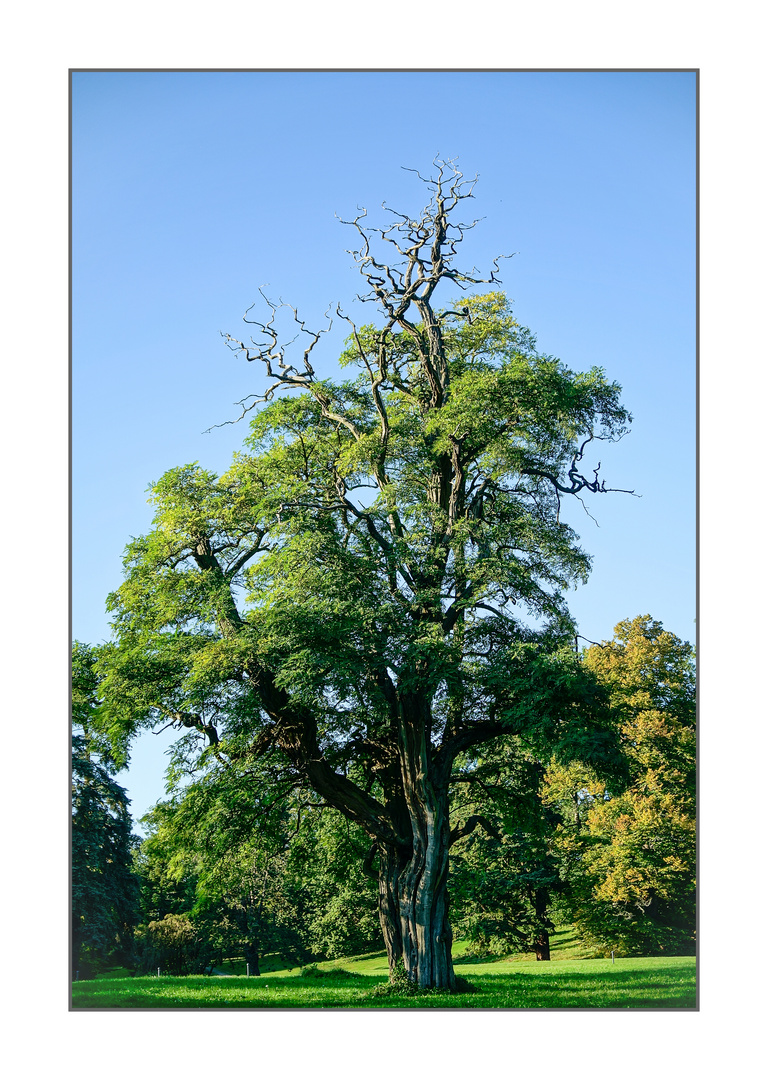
392 863
413 908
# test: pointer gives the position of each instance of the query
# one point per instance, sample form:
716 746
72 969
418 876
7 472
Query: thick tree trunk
413 901
392 863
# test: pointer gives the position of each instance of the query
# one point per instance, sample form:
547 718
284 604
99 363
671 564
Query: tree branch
470 825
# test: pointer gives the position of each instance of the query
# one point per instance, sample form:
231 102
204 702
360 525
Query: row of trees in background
221 874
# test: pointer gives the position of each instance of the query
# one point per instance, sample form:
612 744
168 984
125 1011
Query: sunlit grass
643 983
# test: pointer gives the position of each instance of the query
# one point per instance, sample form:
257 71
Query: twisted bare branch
578 482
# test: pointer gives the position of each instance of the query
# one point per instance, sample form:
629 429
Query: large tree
375 587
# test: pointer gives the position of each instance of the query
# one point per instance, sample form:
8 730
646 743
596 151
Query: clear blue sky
192 190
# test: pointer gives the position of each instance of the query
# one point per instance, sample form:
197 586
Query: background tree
632 857
174 945
104 888
333 886
168 873
355 596
280 875
505 878
224 870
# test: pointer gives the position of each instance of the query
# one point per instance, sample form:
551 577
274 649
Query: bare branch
577 481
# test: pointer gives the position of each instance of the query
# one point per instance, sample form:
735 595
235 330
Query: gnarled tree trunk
413 882
423 904
413 910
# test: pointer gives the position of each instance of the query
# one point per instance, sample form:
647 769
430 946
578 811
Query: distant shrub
174 945
312 971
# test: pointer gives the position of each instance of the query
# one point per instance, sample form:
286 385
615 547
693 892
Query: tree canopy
375 587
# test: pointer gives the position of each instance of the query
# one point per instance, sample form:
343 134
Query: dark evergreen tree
104 887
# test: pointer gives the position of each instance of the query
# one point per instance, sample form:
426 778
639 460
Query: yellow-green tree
632 857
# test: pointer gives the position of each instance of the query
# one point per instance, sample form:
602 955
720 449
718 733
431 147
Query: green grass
637 983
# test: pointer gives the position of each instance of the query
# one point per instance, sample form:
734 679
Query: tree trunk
542 945
413 899
541 903
252 958
391 865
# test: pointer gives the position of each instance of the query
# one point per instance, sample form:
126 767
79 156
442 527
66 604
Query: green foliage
255 879
504 882
104 888
631 855
174 945
230 883
318 605
399 985
336 902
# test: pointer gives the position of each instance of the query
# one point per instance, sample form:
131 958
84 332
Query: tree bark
413 907
413 885
423 904
392 863
542 946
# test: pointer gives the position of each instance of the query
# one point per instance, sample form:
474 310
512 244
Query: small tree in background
174 945
506 877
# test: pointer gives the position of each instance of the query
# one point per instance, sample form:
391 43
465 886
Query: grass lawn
565 982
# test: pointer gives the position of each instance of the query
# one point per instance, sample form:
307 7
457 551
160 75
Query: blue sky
192 190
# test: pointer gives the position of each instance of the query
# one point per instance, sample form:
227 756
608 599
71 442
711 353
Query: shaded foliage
104 888
174 946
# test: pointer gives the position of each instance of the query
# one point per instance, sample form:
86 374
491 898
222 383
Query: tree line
360 633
